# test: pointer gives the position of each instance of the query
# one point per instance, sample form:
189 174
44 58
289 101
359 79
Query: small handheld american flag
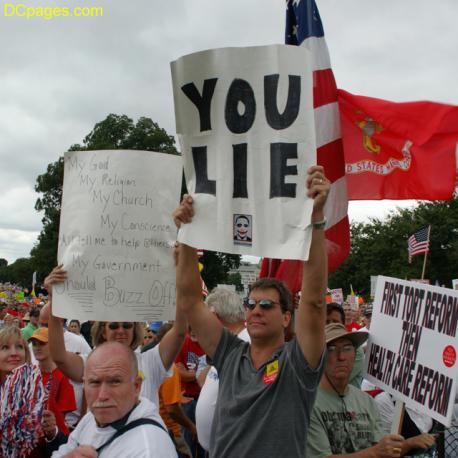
418 243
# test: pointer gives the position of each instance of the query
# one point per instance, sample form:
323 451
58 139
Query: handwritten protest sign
116 236
411 352
245 122
337 295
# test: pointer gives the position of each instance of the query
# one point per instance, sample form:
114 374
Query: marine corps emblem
386 155
369 127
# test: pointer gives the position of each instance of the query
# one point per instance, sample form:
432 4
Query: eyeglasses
265 304
38 343
344 349
115 325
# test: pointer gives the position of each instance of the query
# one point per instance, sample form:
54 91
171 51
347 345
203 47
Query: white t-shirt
364 345
76 343
144 441
385 405
205 408
154 372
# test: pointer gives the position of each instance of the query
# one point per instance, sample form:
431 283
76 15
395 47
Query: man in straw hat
345 420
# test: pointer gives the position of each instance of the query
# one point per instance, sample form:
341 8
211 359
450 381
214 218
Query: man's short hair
227 305
286 299
34 312
337 307
129 352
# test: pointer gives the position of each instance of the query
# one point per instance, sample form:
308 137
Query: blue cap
155 326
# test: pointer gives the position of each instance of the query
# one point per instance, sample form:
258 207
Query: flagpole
426 254
424 267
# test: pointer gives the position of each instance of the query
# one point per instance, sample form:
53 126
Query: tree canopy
120 132
19 272
380 247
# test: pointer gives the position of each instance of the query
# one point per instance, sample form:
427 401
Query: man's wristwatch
319 224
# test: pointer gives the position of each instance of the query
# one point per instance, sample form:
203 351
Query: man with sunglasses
345 421
267 388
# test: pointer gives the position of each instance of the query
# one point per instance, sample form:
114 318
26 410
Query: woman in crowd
8 320
154 364
22 398
14 351
17 322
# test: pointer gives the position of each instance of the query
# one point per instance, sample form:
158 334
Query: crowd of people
266 376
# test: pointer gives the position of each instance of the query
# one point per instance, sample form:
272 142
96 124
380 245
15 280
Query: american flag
418 243
304 28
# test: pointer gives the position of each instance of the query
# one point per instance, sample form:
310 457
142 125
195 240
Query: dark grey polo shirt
264 412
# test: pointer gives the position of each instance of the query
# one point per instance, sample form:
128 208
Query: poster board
337 295
373 284
117 236
353 301
411 351
245 122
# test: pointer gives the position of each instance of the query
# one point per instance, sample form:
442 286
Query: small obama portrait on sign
243 230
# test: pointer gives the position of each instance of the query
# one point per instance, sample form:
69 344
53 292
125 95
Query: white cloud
364 210
16 211
16 244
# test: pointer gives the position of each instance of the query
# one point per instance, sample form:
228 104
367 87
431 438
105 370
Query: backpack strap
133 424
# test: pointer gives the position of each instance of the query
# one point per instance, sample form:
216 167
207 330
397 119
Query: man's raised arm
69 363
311 314
171 343
204 324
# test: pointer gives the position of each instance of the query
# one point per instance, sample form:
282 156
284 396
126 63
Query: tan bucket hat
334 331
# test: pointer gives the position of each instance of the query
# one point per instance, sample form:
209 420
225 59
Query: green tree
49 184
380 247
235 279
216 267
120 132
19 272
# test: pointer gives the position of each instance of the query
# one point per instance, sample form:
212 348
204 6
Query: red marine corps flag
398 150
